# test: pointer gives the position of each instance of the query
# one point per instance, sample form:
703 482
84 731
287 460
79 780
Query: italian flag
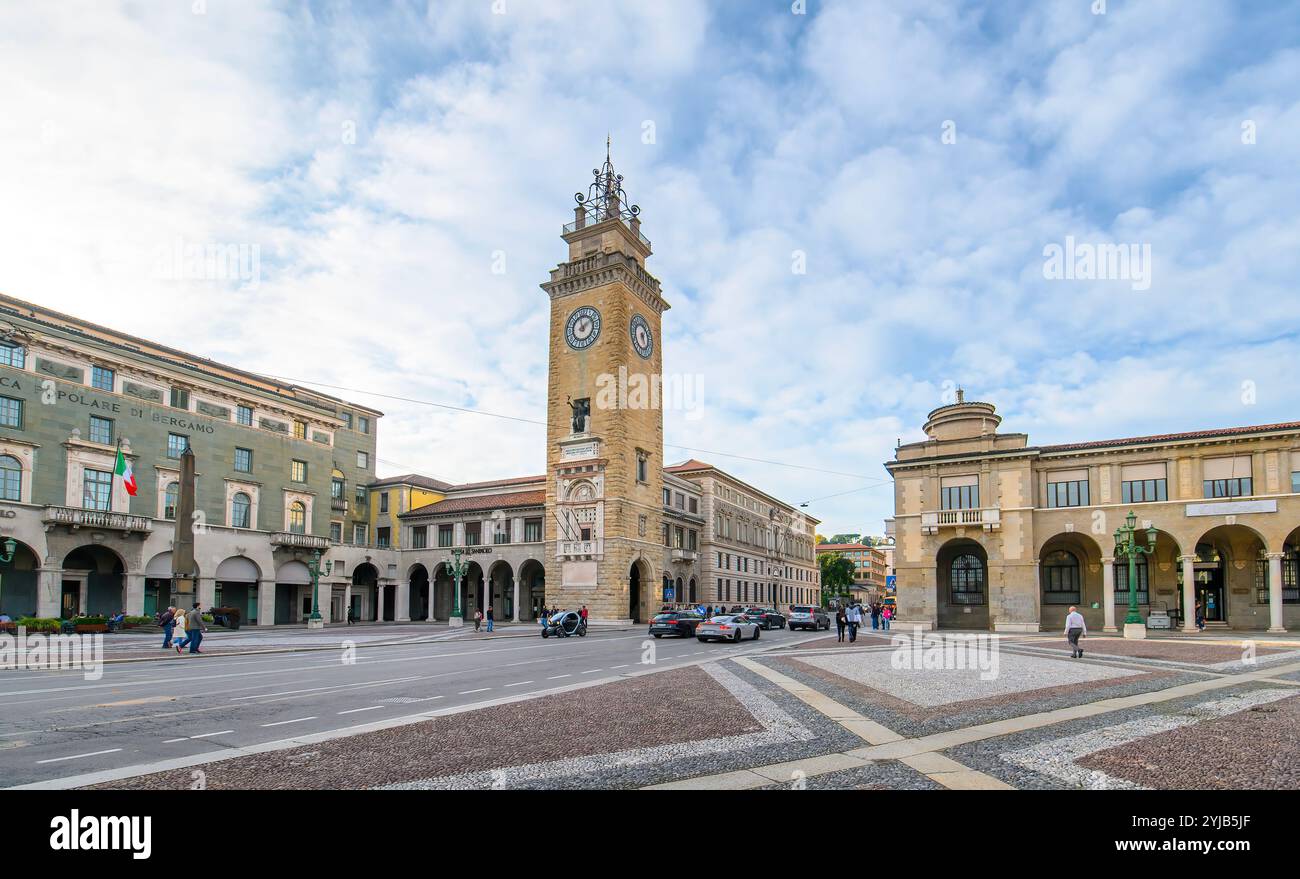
123 468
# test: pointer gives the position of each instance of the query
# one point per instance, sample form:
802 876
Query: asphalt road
57 724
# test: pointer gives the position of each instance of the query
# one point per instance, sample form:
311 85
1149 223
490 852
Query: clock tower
604 425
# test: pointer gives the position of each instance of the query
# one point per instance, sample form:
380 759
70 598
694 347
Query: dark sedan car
765 617
675 622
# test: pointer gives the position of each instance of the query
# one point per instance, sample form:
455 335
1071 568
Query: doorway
70 605
634 594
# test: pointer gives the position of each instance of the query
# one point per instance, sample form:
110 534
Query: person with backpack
193 630
886 614
841 621
168 623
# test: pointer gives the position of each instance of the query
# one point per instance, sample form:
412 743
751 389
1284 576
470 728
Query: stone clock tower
604 425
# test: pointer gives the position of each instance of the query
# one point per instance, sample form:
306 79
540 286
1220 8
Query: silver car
727 627
806 616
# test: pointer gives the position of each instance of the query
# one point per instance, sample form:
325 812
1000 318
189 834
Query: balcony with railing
78 518
579 548
294 540
684 555
988 519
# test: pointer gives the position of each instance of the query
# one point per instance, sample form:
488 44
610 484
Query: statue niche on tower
581 413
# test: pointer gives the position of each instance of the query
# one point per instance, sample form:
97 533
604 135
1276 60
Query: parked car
807 616
675 622
727 627
767 617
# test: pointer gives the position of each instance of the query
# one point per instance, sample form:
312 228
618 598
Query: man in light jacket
193 630
854 617
1075 628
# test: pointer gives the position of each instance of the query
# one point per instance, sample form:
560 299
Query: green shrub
139 621
40 624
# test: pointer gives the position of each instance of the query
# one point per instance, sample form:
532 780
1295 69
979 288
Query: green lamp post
1127 545
315 621
11 546
457 567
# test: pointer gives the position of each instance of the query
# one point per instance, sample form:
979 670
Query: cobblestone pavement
824 715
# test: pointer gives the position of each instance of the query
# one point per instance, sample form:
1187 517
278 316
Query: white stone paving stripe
79 756
1058 758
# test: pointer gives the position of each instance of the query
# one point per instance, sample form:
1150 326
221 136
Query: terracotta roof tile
1173 437
506 501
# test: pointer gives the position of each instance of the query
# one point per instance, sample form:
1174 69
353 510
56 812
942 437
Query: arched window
170 495
966 580
11 478
298 517
241 509
1121 581
1061 580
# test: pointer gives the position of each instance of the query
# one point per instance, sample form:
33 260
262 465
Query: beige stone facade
993 533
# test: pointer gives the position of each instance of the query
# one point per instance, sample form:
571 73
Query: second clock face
642 339
583 328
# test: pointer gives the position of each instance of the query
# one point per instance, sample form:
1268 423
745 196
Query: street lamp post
457 568
316 621
11 546
1127 546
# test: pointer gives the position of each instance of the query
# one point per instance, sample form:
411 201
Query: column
207 592
1275 592
1108 593
402 604
514 584
49 591
265 603
83 597
347 600
379 602
1189 592
134 595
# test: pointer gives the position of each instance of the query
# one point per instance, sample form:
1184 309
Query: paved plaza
806 712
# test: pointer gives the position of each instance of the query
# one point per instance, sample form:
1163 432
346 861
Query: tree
837 575
845 538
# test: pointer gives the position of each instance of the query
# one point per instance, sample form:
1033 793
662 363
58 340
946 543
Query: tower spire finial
605 197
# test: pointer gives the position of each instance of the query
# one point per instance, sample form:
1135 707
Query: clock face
583 328
642 339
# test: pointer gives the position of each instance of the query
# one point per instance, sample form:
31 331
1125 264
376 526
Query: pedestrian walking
1200 617
854 619
193 630
352 616
886 616
583 613
875 615
478 619
841 621
168 622
1075 628
489 618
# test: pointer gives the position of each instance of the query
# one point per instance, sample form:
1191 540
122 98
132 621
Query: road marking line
79 756
206 735
479 690
283 722
355 710
174 741
557 677
612 667
518 683
592 671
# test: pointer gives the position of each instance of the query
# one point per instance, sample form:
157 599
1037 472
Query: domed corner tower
604 424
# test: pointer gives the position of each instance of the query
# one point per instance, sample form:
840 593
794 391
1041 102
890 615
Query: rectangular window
97 490
336 488
679 537
680 500
694 505
180 398
243 460
1121 584
363 423
11 412
383 502
668 495
501 531
363 460
102 378
381 536
1227 477
298 471
420 537
473 532
336 532
101 430
1067 488
300 430
358 533
1214 488
177 444
244 415
959 492
642 468
1295 482
1143 483
445 534
532 531
347 420
360 495
13 355
692 540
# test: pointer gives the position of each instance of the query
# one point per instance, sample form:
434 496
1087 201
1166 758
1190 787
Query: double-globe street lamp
1128 546
315 621
457 568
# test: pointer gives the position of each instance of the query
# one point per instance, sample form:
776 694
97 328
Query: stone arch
501 590
20 596
640 576
419 584
532 588
1231 575
962 575
1055 572
94 581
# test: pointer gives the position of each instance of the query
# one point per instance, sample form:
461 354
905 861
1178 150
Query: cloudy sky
850 209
